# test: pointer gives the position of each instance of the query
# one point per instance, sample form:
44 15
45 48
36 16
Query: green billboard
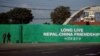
14 30
30 33
61 33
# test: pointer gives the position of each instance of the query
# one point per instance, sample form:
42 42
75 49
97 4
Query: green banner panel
61 33
28 33
14 31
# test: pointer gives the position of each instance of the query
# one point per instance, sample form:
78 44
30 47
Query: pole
21 30
21 33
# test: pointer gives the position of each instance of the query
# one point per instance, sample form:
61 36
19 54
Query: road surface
49 49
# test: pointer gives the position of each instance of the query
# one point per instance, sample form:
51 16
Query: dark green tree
20 15
60 14
4 19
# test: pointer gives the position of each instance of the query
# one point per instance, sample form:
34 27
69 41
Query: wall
34 33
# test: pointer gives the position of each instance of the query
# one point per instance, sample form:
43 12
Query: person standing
8 37
4 37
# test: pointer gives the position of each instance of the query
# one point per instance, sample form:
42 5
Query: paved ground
50 49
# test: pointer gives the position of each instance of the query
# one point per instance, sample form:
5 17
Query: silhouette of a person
8 37
4 37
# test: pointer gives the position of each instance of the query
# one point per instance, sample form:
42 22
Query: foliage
60 14
16 16
4 18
